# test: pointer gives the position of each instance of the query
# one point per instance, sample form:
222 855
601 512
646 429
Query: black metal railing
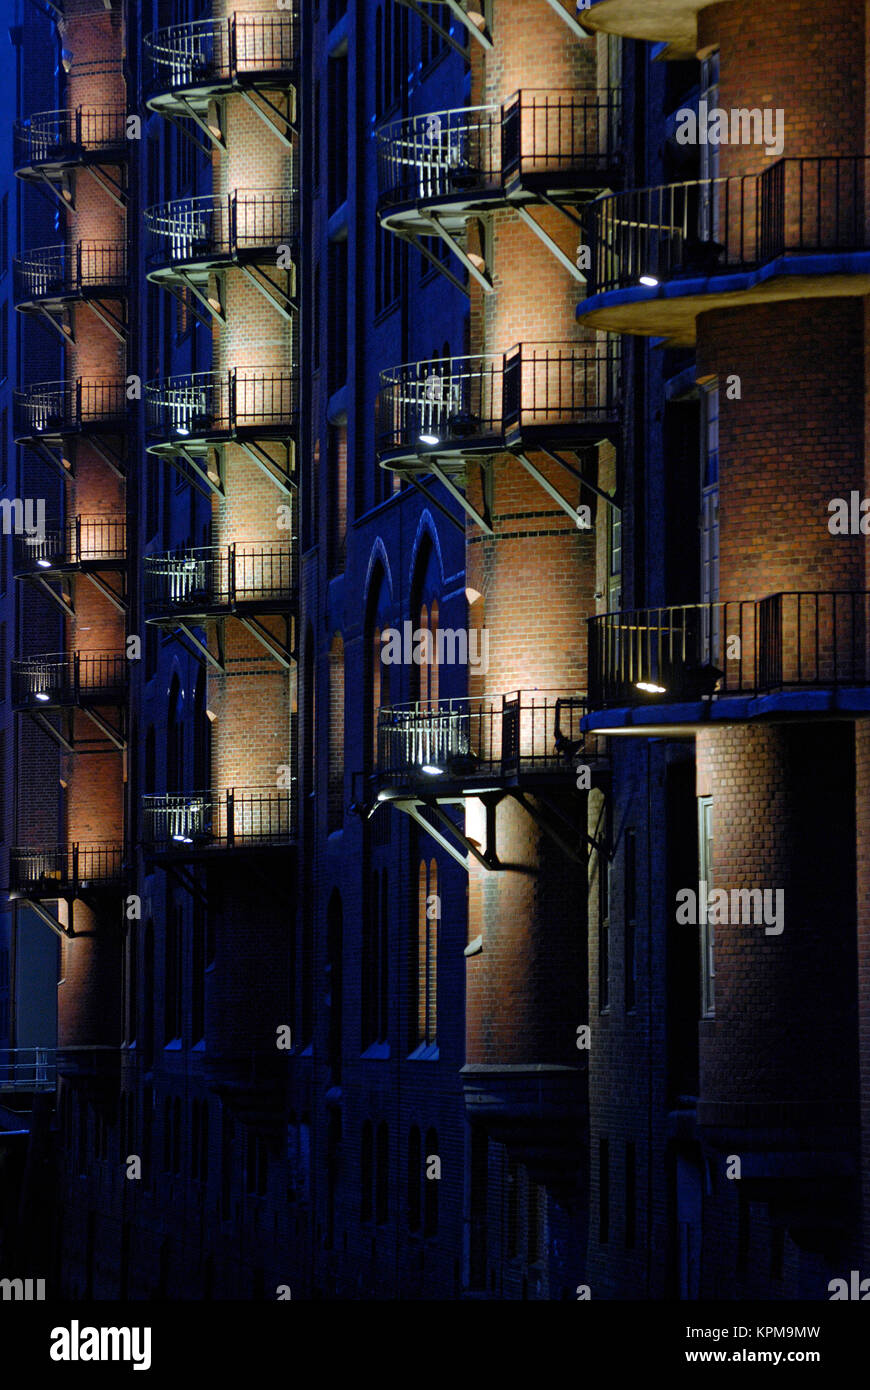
59 407
491 736
206 403
55 870
816 205
60 679
475 401
238 817
84 540
64 137
55 271
221 576
28 1068
209 52
785 641
191 229
476 149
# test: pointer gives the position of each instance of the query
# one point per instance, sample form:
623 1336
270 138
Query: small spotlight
41 695
429 439
44 564
431 770
183 839
650 688
649 280
181 429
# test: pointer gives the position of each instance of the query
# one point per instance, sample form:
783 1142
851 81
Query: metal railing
63 137
475 401
222 576
53 271
57 678
483 736
58 407
84 540
28 1068
190 229
60 869
444 154
211 51
785 641
205 403
815 205
235 817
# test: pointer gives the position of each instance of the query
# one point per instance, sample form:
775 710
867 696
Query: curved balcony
553 393
52 409
795 652
673 22
196 235
239 818
663 255
85 543
189 64
49 142
457 162
215 581
55 275
57 680
45 872
455 746
208 407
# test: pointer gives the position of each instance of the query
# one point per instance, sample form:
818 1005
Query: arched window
377 672
428 923
366 1171
132 981
431 1179
379 62
201 737
174 741
334 946
335 797
414 1176
375 961
148 996
425 614
150 760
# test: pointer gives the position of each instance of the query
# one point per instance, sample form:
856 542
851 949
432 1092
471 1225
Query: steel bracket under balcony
487 858
199 649
215 134
281 122
115 187
66 605
281 297
481 519
419 245
481 276
483 36
214 307
58 321
202 479
53 457
183 876
113 457
573 24
114 322
118 600
551 244
567 507
283 476
56 735
48 918
283 652
557 826
178 294
61 188
114 735
64 736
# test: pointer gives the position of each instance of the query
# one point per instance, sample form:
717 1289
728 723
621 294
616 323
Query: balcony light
649 280
41 695
183 839
429 439
650 688
44 564
181 429
431 770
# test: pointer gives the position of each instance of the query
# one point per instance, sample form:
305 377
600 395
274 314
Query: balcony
66 871
196 823
220 406
459 746
27 1069
49 410
204 233
58 681
663 255
85 543
798 652
210 581
50 142
538 395
57 274
187 66
673 22
553 144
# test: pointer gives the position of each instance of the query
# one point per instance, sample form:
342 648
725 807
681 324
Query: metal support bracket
564 13
112 734
435 501
459 496
119 601
418 243
114 187
573 851
276 295
488 859
113 322
551 245
283 477
114 459
283 652
583 481
482 278
66 606
200 650
281 124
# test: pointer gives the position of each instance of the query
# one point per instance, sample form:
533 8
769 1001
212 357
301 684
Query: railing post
231 572
231 397
232 51
231 812
233 222
76 676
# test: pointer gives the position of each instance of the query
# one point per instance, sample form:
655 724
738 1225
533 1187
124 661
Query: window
604 871
337 461
603 1191
705 884
4 234
389 264
334 988
710 520
614 561
338 132
337 316
630 1195
335 788
174 956
375 962
132 981
431 1181
4 339
366 1171
426 982
415 1168
382 1173
630 919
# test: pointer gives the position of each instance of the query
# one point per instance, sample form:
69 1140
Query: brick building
376 329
